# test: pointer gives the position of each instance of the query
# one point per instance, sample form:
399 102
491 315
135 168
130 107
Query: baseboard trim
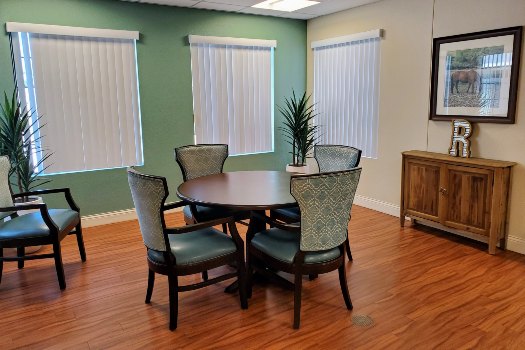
114 217
377 205
516 244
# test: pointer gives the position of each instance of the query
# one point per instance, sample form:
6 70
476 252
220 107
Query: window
83 82
233 92
346 90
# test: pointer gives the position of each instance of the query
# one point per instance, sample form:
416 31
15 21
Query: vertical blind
233 92
346 90
84 84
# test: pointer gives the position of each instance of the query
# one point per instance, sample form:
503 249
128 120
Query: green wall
165 81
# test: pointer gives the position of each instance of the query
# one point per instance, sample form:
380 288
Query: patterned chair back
325 201
5 189
336 157
149 193
201 160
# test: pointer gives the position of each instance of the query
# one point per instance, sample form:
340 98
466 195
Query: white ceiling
324 7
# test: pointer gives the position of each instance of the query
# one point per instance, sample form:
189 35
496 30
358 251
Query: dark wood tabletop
245 190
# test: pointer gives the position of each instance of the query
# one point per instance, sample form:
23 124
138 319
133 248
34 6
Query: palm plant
19 139
298 128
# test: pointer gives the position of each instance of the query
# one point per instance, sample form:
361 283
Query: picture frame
475 76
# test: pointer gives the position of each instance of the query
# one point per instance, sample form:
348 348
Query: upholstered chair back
201 160
325 201
5 190
336 157
149 193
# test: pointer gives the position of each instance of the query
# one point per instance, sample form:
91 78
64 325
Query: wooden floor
423 290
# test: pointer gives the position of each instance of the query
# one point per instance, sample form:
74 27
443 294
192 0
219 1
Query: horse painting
462 76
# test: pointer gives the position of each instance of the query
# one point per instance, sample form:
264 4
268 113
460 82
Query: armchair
317 246
329 158
186 250
197 161
42 227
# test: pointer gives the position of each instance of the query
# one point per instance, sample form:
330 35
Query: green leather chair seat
293 213
32 225
283 245
196 247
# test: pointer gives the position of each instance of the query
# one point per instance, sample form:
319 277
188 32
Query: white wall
404 104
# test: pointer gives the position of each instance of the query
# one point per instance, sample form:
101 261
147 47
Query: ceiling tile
220 7
244 6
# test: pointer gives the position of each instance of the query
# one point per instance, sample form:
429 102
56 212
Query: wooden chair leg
205 275
1 262
59 266
348 251
241 273
297 300
80 241
151 283
344 287
174 300
249 275
20 252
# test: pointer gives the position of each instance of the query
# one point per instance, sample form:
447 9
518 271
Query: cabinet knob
443 191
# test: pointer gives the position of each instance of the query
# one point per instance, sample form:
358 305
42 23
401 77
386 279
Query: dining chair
314 247
336 157
197 161
42 226
186 250
202 160
329 158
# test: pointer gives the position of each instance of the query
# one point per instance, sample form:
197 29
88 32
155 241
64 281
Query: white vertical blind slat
346 94
117 126
234 100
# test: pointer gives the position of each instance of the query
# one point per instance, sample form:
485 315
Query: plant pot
32 249
303 169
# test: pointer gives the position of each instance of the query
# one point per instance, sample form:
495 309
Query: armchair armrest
66 191
53 228
174 205
198 226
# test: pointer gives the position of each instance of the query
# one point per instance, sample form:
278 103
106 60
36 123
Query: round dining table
241 190
244 191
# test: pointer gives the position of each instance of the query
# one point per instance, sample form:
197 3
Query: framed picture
475 76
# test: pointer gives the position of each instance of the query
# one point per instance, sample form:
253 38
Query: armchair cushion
283 245
196 247
32 225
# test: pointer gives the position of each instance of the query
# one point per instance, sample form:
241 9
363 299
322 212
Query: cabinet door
467 198
421 197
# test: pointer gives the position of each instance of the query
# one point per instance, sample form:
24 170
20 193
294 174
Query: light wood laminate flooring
422 288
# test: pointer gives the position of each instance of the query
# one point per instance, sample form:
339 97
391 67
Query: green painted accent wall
165 81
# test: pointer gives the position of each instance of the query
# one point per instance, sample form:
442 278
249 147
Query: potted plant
299 130
19 139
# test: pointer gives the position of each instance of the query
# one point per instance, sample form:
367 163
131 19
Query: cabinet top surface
459 160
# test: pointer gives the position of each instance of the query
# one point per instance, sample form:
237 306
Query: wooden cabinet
467 196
